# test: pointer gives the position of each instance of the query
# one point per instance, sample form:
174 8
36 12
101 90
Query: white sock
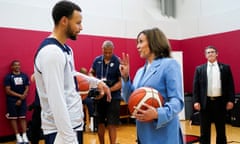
24 135
19 138
91 124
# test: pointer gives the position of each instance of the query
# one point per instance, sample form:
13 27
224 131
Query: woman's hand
149 114
124 66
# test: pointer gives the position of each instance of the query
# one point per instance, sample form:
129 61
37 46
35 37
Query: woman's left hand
150 113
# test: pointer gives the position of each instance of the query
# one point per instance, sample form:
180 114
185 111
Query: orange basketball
83 86
144 95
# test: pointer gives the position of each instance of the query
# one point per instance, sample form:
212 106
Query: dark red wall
193 54
22 44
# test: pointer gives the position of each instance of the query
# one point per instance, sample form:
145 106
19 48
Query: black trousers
215 112
36 131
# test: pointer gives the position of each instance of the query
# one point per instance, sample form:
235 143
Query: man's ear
64 20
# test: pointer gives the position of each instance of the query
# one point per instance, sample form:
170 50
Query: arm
96 83
230 85
230 90
26 83
19 95
127 89
102 87
125 80
13 93
174 94
26 91
196 89
116 86
92 72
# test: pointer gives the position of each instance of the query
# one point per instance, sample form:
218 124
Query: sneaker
19 139
25 140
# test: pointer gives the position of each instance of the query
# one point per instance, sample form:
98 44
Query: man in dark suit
213 95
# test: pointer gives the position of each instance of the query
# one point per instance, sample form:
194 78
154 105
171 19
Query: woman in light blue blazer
161 72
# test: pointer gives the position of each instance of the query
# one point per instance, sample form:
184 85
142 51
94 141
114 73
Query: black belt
214 98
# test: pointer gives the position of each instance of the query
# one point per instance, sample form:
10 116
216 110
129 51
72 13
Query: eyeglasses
211 52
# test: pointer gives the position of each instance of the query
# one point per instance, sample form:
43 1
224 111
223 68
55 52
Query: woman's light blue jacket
164 75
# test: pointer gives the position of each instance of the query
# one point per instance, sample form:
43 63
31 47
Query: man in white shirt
213 95
62 112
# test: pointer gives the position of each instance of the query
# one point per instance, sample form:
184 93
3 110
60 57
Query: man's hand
22 96
18 102
104 90
197 106
229 105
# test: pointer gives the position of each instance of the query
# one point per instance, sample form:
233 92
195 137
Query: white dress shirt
215 88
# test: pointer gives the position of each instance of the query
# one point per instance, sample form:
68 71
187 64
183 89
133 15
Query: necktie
210 79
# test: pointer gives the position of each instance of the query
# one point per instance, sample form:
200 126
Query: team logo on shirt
111 64
18 81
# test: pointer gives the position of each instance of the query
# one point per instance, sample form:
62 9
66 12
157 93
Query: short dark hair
63 8
211 47
158 42
14 61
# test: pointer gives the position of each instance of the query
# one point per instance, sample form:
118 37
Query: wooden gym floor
127 134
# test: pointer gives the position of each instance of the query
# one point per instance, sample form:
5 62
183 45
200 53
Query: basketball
83 86
146 95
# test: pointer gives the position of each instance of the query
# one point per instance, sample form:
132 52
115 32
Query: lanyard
104 77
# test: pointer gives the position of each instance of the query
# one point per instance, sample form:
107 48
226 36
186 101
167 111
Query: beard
73 37
71 34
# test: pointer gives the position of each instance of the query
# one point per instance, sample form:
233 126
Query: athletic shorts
14 112
108 113
50 138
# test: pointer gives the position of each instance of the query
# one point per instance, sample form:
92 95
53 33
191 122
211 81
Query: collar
214 63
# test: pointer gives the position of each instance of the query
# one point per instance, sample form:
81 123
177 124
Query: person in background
163 73
36 131
54 72
106 68
213 95
16 86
